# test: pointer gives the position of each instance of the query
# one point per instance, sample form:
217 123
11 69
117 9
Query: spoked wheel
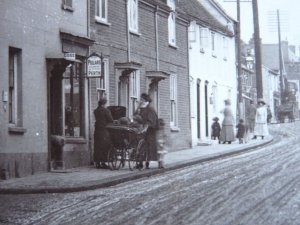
115 158
137 156
132 158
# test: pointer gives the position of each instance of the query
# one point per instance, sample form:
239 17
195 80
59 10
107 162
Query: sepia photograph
149 112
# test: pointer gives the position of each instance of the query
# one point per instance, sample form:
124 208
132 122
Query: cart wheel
132 158
115 158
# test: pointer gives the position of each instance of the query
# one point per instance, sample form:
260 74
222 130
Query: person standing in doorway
102 142
227 131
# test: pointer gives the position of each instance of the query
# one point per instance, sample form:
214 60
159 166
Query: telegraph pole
257 47
238 37
280 59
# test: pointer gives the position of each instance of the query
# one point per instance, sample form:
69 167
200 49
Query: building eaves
194 10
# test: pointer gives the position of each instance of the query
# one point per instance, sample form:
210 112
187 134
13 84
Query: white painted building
271 88
212 66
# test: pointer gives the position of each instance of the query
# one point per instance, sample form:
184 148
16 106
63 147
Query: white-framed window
101 10
133 15
15 87
213 42
102 82
172 23
192 32
225 48
173 100
203 33
134 92
129 92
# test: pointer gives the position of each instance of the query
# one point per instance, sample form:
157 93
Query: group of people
256 123
145 114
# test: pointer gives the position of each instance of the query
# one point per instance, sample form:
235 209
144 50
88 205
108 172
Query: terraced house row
181 52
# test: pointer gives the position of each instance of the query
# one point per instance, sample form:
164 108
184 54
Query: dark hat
241 121
146 97
227 101
215 119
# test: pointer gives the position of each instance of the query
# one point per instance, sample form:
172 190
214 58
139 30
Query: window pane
103 7
72 94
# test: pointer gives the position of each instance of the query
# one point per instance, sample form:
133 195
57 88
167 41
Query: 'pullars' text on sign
94 66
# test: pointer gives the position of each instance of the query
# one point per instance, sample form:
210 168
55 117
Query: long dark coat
102 142
149 117
227 132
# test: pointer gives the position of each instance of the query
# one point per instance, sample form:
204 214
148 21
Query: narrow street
258 187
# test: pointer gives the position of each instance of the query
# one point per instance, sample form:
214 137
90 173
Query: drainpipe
128 32
156 37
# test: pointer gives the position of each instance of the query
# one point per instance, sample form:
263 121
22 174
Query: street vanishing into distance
261 186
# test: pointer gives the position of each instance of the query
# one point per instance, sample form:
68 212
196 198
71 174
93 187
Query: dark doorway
198 109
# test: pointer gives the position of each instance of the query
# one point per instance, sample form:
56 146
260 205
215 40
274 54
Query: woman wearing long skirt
102 142
227 131
261 120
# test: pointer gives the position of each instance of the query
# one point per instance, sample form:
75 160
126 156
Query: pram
128 144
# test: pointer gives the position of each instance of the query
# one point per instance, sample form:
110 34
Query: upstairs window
101 10
133 15
225 48
172 23
213 42
15 88
204 32
67 5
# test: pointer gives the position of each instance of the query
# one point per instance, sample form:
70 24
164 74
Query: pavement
89 178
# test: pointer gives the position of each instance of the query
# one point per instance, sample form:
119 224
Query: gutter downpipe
128 33
156 38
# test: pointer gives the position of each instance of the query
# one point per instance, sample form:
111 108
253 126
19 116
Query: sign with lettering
70 56
94 66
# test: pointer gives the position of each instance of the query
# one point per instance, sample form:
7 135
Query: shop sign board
94 66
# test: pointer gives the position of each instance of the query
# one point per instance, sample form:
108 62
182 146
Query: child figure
137 123
240 131
216 129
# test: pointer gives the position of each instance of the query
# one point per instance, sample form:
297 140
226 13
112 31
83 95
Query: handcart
128 145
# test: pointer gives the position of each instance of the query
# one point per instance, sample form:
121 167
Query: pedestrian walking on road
102 142
227 131
250 115
215 129
241 131
261 126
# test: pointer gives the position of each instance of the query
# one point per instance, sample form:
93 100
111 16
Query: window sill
67 8
202 50
175 129
173 46
75 140
214 55
17 130
102 22
135 33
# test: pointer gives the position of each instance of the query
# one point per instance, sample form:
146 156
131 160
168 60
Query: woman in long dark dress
102 142
150 122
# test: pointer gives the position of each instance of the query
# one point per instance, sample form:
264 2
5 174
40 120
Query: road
257 187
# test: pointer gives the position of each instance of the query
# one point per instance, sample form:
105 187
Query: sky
289 11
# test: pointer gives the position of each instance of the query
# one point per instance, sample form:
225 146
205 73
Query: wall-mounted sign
94 66
70 56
